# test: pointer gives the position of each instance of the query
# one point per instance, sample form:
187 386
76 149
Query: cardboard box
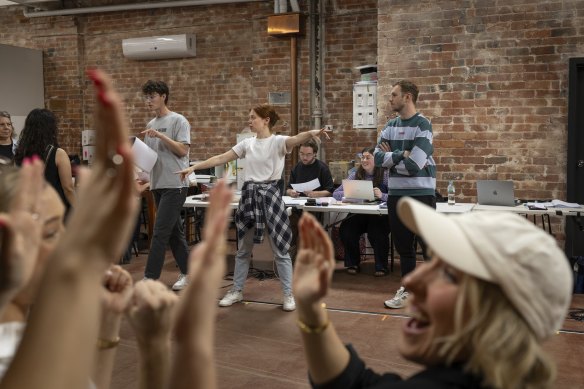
339 170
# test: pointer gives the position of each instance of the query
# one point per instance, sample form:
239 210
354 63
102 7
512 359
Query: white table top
374 209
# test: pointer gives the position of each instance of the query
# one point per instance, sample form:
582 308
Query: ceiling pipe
131 7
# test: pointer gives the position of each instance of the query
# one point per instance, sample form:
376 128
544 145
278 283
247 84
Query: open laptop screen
358 190
494 192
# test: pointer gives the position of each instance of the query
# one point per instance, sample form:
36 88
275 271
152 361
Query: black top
304 173
52 175
357 375
6 151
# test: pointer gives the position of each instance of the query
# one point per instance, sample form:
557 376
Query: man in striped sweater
405 148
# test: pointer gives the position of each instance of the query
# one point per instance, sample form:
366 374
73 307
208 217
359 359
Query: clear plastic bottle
451 192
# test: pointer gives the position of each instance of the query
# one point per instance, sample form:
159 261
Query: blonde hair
494 340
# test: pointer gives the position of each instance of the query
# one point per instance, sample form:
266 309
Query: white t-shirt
264 158
163 174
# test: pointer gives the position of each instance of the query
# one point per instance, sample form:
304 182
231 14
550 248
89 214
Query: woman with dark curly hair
39 137
376 226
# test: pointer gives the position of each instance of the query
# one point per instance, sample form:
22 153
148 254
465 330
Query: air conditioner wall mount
160 47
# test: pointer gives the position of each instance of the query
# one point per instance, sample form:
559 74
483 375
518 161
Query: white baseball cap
505 249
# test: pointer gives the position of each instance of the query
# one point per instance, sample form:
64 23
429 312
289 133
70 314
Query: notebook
358 190
493 192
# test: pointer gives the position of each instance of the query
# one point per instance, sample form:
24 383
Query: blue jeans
168 230
242 259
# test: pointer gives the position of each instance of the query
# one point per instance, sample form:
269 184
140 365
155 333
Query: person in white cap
496 287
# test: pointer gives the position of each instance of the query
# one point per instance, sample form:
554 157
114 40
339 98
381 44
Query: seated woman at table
376 226
496 287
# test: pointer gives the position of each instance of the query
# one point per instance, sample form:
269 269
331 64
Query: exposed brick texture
492 74
236 66
493 80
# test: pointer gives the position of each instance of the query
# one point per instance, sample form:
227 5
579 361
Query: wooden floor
258 345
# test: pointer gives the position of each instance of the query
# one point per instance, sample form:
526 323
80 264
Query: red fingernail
26 161
103 99
35 158
92 74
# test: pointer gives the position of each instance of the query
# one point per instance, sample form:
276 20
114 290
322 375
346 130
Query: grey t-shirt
163 174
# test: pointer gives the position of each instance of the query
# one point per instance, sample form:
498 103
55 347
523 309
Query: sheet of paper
553 204
144 156
306 186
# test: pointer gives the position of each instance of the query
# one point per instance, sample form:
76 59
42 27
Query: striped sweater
415 175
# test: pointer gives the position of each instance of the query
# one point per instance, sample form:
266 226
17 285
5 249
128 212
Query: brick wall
237 64
493 76
493 80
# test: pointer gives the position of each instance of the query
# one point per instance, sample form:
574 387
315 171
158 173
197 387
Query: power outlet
328 127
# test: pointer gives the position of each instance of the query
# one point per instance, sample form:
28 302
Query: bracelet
311 329
106 344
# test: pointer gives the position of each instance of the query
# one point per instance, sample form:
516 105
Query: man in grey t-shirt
169 134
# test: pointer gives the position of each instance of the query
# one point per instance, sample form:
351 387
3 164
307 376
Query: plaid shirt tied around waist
261 206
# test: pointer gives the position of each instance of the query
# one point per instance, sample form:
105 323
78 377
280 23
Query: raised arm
116 293
194 362
217 160
150 314
326 355
57 347
302 137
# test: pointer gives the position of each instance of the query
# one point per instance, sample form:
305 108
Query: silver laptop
358 190
493 192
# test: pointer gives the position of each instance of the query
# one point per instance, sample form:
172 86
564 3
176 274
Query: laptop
493 192
358 191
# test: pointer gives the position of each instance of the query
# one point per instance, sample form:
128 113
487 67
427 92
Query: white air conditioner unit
160 47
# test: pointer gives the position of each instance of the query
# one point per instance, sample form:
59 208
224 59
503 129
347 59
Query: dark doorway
575 170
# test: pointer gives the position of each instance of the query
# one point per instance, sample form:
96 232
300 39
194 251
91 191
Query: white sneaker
181 283
232 297
399 300
289 303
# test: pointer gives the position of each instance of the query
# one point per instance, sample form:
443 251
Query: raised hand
314 262
21 229
104 218
117 290
150 314
195 324
150 311
206 262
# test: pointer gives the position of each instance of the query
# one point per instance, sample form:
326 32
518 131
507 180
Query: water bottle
451 193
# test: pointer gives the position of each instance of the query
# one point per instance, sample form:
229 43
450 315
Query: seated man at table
307 169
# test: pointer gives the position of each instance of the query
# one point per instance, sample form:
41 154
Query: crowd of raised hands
76 298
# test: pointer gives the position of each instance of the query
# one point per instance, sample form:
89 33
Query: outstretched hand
21 228
184 173
314 262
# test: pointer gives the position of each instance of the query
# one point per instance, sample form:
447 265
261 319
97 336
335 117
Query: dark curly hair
40 131
378 171
159 87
